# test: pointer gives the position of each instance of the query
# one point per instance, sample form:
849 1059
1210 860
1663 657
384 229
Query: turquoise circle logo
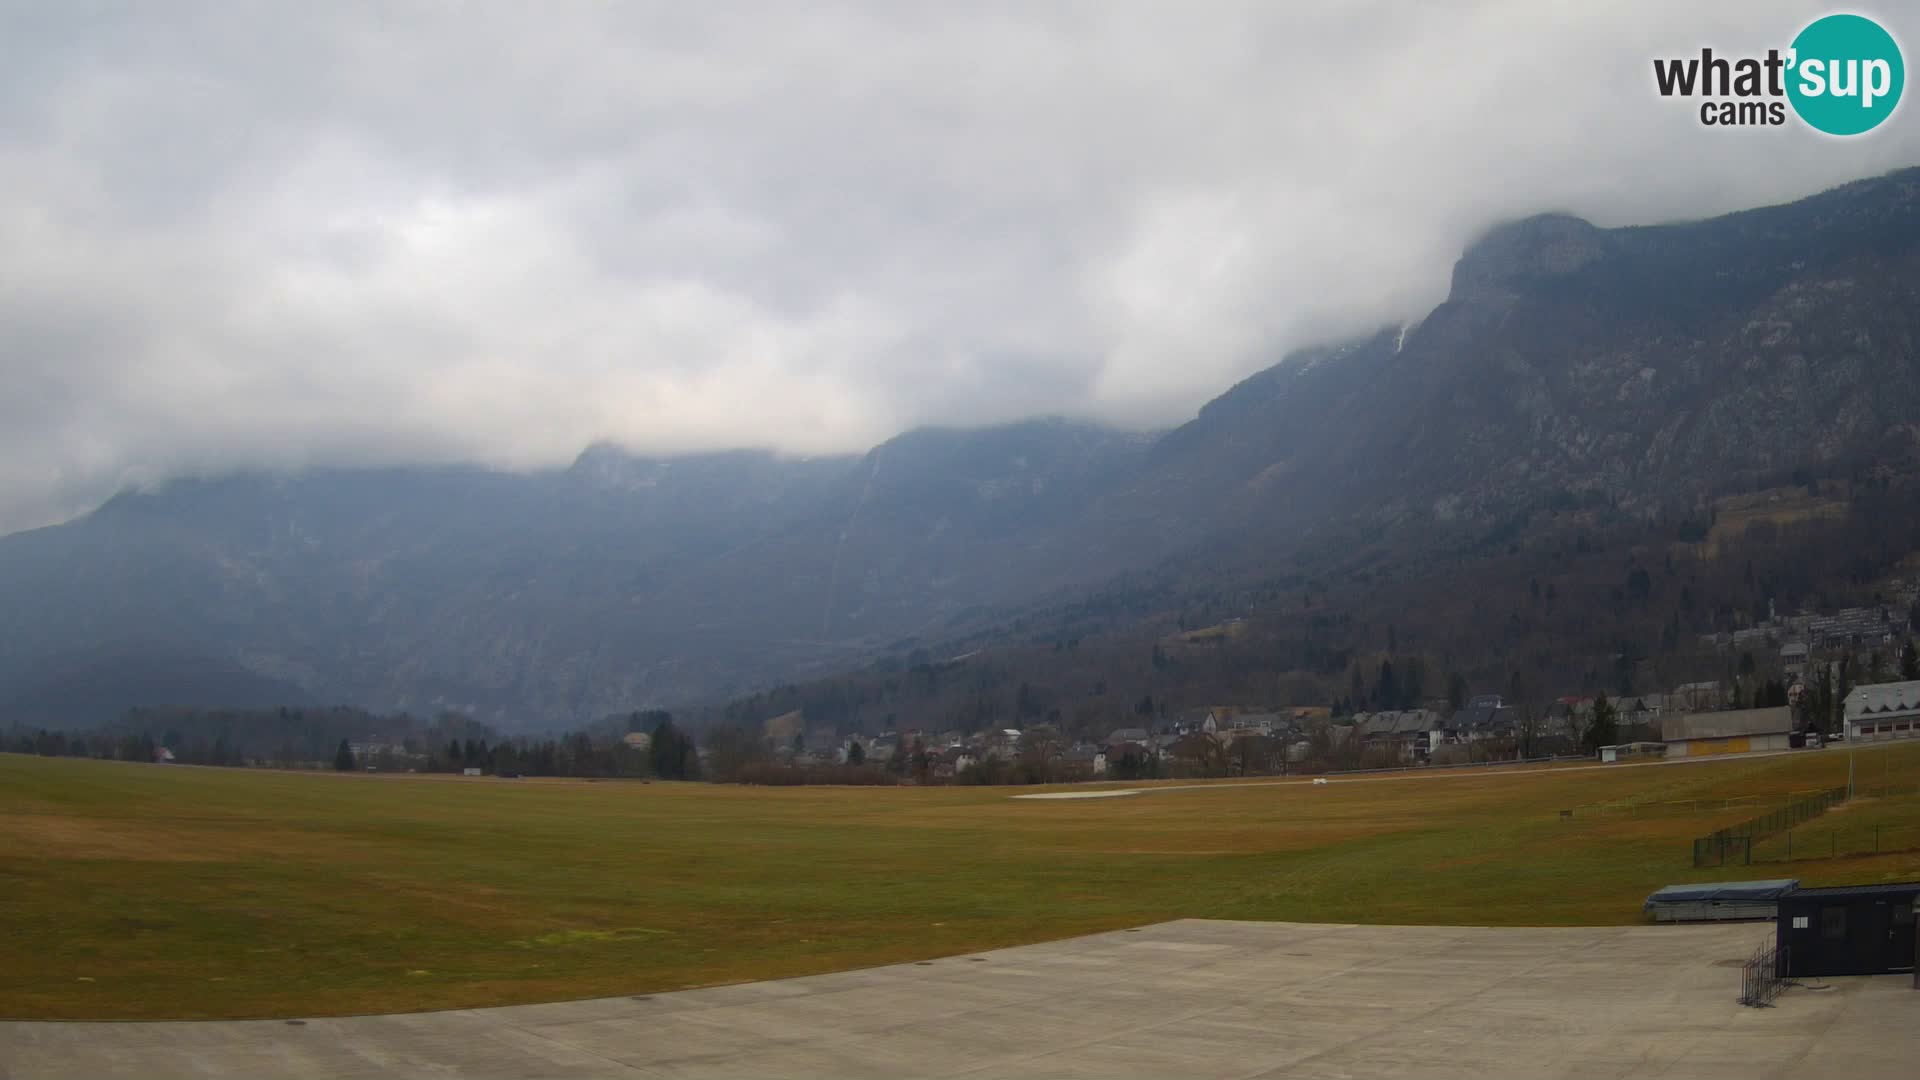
1847 74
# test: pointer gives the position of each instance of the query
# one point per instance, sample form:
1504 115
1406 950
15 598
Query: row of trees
451 745
54 743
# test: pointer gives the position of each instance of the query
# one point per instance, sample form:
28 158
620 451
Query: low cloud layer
253 235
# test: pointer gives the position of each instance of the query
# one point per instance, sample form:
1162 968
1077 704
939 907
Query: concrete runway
1190 998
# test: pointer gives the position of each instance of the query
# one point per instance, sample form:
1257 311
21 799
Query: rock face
1516 256
1647 364
1653 366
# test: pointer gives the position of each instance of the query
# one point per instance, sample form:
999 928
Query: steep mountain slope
1652 365
1645 367
93 686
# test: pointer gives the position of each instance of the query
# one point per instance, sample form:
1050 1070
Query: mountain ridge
1652 366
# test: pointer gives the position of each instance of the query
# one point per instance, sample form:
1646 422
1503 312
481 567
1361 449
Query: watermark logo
1842 75
1850 75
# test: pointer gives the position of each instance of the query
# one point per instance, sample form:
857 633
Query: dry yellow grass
142 891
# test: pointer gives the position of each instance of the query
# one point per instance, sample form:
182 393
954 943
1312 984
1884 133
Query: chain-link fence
1733 845
1808 842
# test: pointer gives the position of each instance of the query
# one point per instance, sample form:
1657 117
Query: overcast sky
291 234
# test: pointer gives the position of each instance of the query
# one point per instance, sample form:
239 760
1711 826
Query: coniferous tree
1603 729
1386 693
672 754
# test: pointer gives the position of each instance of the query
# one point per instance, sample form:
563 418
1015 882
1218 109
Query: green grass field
142 891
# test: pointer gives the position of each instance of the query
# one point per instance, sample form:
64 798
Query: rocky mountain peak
1518 252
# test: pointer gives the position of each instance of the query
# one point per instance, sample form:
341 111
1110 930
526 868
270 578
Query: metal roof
1899 697
1728 724
1724 891
1480 717
1894 888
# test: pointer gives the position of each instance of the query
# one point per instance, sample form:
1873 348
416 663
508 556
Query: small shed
1633 751
1848 929
1720 901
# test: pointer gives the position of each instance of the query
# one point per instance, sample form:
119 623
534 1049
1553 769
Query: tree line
350 739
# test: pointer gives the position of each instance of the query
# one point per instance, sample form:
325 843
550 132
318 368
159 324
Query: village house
1424 731
1485 717
1266 723
950 761
1004 744
1793 658
1635 720
1412 734
1184 721
1087 760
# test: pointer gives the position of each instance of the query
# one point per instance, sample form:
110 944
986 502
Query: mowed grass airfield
131 891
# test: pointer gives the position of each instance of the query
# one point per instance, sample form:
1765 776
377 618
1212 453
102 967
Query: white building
1883 711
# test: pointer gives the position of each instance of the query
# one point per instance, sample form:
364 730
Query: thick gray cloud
246 234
